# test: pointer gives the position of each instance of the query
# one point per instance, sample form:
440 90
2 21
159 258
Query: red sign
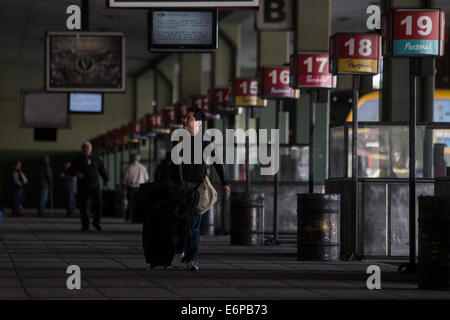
414 32
134 127
274 83
153 121
180 109
355 53
199 101
117 136
311 70
219 101
168 115
244 93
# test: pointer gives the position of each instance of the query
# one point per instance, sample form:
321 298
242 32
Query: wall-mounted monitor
85 62
90 103
182 30
44 110
182 3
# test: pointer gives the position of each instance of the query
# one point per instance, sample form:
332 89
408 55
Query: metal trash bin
434 243
318 227
247 219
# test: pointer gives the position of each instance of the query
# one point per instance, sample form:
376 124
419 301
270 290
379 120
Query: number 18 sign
414 33
355 53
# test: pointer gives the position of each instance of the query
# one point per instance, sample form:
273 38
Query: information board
182 3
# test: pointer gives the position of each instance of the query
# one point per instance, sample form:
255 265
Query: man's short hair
86 143
135 157
199 115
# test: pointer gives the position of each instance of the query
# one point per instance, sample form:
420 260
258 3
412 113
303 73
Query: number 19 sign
355 53
414 33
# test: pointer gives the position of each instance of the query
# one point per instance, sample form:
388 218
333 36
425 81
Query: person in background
19 181
70 190
134 175
44 180
87 167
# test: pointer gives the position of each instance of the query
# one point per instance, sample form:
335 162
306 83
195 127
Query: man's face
19 166
190 123
87 150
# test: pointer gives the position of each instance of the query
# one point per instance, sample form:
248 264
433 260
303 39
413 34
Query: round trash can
207 226
318 224
434 243
247 219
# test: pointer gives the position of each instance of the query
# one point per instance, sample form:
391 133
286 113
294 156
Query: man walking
134 175
18 183
44 180
87 167
70 190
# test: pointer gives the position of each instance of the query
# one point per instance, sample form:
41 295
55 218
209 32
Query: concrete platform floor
35 253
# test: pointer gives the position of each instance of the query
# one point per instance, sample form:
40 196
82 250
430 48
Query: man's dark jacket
91 167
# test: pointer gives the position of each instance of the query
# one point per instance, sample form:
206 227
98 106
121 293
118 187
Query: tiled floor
35 253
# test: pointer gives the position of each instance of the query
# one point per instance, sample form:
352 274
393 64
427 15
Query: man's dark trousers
95 196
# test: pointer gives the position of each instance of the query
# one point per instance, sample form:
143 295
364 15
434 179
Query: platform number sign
244 93
355 53
200 102
310 70
274 83
414 33
219 101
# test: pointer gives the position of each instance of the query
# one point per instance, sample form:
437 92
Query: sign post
417 35
243 92
355 54
274 84
310 71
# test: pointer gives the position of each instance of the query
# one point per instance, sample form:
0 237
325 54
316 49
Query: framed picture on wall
85 61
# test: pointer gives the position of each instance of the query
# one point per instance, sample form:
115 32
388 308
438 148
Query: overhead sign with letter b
275 15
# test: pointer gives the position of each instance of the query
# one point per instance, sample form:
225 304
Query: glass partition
383 150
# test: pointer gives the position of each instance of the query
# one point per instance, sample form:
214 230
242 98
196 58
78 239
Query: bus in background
383 150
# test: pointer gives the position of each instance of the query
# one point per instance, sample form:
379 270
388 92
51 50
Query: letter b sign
275 15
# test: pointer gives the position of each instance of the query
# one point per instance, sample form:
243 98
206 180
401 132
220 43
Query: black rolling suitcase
157 224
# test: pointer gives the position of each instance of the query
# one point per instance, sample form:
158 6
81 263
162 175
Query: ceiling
24 23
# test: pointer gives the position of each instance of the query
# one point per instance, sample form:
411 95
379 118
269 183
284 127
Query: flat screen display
85 102
44 110
186 30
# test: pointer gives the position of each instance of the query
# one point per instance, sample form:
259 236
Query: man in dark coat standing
44 179
87 167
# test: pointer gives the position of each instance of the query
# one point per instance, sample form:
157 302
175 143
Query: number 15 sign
414 33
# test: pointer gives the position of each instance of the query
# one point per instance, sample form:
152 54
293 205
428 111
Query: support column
190 74
312 32
267 56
